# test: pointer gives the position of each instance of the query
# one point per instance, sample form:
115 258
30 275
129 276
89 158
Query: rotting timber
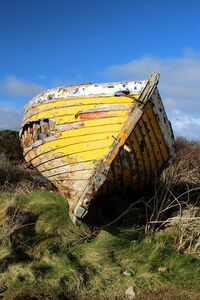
95 140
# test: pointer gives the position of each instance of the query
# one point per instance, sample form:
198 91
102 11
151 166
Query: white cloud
10 117
179 86
16 87
185 124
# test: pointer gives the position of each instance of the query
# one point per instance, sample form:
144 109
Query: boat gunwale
65 89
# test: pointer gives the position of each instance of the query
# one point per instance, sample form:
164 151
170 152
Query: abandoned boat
92 140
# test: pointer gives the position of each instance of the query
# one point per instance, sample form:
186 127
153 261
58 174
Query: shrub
10 145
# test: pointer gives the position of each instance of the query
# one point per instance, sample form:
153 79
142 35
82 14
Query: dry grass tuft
185 164
176 197
10 173
189 230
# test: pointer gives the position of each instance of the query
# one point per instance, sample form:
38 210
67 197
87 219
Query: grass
44 256
42 253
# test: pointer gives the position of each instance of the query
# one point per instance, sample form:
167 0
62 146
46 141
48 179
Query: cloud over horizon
179 82
10 117
16 87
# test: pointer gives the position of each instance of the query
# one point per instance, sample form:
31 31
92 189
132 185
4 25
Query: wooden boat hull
98 143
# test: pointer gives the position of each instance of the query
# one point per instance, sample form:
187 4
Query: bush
10 145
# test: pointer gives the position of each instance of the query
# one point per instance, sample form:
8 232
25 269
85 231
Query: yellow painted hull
97 145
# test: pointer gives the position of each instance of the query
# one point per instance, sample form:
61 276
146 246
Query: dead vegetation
176 198
12 173
42 254
15 175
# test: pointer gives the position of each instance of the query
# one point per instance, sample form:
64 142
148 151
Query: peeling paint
92 115
70 126
112 137
88 90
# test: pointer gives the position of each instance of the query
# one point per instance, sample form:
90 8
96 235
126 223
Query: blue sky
49 43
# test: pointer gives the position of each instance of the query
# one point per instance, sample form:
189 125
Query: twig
141 200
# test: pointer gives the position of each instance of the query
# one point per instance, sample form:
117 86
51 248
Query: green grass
42 254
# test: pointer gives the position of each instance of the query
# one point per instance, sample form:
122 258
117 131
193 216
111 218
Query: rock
40 180
130 293
162 269
127 273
